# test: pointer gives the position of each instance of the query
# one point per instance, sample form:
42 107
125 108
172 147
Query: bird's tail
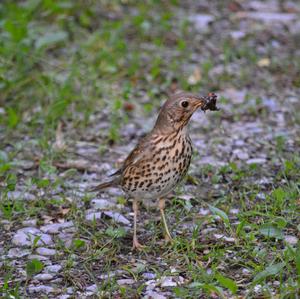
104 185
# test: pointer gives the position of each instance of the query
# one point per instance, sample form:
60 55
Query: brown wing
141 150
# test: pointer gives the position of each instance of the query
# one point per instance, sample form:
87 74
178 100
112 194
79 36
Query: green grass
75 66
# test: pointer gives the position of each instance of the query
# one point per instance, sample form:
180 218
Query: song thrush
161 159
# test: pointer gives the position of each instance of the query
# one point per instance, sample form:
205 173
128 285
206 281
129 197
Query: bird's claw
168 239
136 245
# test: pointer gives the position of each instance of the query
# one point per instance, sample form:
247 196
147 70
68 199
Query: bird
161 159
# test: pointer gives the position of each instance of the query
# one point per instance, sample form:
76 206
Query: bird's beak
201 102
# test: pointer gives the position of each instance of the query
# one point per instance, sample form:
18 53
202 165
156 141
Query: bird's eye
184 104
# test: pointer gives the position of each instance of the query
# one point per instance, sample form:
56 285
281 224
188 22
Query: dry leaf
264 62
64 211
195 77
59 143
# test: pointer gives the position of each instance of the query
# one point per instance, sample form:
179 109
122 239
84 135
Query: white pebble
18 252
125 281
40 289
91 216
28 235
117 217
102 204
46 251
53 268
55 228
43 276
167 282
292 240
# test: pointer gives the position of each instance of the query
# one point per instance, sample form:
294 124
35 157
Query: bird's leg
161 205
135 243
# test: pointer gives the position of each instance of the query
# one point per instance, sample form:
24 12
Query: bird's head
178 109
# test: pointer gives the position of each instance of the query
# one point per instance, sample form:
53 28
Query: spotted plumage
165 166
161 159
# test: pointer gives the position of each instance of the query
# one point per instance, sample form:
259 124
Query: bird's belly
160 176
157 188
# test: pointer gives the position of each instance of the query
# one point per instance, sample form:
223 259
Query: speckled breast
160 172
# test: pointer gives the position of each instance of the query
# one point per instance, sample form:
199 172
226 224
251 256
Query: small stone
236 35
111 274
292 240
236 223
223 237
234 211
26 237
69 230
92 288
70 290
265 6
260 196
115 192
268 17
154 295
256 161
57 280
295 29
235 95
67 239
46 251
29 222
245 271
264 181
43 276
125 281
204 212
18 252
166 281
240 154
24 164
20 195
151 284
208 230
53 268
239 143
41 289
91 216
257 288
201 21
271 104
117 217
55 228
38 257
276 283
102 204
211 161
149 275
65 296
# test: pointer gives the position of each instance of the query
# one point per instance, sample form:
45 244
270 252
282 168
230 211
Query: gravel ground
235 220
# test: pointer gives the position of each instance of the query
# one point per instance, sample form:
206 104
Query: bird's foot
168 238
137 245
